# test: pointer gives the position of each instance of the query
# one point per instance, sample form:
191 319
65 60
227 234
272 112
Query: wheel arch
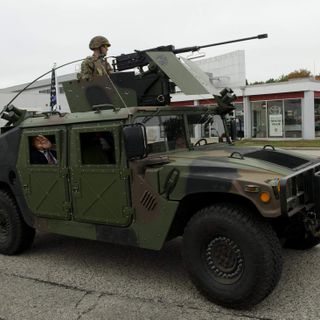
6 188
192 203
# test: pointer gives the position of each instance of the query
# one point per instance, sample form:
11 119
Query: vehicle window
164 133
205 126
97 148
42 149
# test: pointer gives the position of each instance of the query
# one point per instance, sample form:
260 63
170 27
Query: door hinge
127 212
124 173
64 173
67 206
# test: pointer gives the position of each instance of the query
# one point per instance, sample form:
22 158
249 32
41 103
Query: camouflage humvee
143 175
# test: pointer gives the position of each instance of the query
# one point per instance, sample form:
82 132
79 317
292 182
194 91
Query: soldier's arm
86 70
109 68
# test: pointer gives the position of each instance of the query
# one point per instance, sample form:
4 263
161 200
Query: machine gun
139 59
152 86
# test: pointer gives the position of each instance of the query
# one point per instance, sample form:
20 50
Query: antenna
32 82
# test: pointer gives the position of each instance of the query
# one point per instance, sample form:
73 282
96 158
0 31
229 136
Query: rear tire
233 257
15 235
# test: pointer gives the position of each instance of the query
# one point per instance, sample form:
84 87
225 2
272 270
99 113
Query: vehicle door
99 177
44 184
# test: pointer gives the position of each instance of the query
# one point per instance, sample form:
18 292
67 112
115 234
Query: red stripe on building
274 96
317 94
201 102
277 96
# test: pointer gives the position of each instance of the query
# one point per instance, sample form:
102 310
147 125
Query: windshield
205 128
164 133
169 132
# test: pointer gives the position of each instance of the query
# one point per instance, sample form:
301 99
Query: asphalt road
68 278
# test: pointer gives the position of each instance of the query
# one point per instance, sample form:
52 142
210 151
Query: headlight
275 184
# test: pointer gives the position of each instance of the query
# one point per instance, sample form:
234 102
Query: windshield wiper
147 118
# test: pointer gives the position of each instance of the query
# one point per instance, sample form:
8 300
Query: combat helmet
98 41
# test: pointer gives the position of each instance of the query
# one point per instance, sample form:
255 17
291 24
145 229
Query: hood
266 159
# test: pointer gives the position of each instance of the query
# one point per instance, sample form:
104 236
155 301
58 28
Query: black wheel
15 235
198 143
233 257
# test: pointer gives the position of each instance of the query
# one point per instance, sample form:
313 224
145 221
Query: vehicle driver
181 142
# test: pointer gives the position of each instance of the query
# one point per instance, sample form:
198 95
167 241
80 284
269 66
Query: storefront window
278 119
317 116
275 118
259 119
292 114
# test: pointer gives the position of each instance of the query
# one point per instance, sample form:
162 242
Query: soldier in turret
96 65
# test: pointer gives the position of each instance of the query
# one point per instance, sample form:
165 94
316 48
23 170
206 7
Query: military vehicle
131 169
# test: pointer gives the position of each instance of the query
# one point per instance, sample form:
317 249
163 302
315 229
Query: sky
35 34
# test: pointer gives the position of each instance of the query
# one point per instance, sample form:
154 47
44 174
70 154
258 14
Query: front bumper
300 191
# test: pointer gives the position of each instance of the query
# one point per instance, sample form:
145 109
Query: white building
278 110
288 109
37 96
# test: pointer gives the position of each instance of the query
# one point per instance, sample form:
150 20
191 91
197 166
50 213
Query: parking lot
68 278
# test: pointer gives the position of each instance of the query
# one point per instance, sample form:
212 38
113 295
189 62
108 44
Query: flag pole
53 90
58 107
57 88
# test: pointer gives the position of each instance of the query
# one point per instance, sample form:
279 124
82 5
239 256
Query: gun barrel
140 59
196 48
259 36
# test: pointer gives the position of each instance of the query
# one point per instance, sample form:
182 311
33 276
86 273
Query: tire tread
268 239
24 234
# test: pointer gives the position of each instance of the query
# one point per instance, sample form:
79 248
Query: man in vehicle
41 151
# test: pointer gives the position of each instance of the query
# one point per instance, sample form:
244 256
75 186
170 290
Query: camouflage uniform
95 66
92 67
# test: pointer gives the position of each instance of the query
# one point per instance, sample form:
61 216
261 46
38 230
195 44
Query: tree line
301 73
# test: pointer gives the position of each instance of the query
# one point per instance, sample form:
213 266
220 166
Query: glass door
259 119
275 118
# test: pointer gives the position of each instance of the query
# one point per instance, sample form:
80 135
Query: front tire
15 235
233 257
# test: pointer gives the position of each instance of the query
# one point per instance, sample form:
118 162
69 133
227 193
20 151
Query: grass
280 143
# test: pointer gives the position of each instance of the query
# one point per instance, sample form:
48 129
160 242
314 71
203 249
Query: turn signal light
265 196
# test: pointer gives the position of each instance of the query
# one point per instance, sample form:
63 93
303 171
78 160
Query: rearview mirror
135 140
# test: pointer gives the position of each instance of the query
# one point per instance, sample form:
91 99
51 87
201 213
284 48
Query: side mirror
135 141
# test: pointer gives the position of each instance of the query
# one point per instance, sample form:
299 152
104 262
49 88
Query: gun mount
151 86
159 71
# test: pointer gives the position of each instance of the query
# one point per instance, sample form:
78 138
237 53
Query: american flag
53 90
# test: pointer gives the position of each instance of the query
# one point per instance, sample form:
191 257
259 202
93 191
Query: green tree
271 80
301 73
283 77
296 74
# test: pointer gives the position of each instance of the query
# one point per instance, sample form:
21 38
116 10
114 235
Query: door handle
26 189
